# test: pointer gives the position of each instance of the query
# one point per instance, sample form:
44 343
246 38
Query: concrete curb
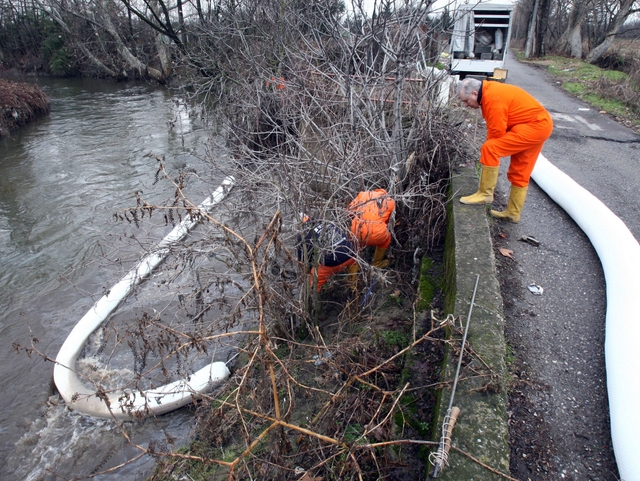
481 394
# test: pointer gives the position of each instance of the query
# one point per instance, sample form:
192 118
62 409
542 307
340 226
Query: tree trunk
164 55
183 31
571 40
614 27
575 41
531 32
126 54
543 24
161 46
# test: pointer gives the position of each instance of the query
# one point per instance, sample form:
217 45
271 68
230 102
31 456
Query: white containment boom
619 253
133 403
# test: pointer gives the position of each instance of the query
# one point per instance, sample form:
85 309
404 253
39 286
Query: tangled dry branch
314 107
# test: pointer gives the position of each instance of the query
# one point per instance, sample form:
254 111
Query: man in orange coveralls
517 126
324 244
371 212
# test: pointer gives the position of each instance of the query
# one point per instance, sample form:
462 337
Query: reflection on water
61 180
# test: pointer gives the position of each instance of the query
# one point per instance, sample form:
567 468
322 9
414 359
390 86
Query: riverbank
361 387
20 104
367 390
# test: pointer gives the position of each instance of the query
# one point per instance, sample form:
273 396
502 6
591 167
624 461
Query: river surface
61 181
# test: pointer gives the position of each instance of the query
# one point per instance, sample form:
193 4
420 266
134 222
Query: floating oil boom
134 403
619 253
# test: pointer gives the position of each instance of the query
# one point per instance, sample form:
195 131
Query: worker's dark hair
469 85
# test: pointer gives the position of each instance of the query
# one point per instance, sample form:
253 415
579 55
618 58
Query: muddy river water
61 180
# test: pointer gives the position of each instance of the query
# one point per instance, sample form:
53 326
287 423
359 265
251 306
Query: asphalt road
559 419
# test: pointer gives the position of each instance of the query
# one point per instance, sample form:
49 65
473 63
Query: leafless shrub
316 104
321 105
626 89
317 107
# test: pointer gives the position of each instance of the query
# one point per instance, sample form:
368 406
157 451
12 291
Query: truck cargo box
480 38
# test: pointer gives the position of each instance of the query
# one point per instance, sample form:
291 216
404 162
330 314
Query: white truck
480 39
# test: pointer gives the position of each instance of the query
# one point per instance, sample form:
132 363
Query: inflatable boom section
619 254
133 403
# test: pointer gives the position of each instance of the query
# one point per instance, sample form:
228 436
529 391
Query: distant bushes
56 57
623 58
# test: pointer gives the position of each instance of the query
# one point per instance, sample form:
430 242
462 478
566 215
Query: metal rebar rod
457 375
464 340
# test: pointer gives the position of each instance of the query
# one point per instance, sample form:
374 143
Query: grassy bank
614 92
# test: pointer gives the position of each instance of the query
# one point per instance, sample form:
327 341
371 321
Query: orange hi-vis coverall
517 126
372 211
325 273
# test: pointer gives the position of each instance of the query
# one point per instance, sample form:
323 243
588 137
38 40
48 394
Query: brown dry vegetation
20 103
355 401
354 114
346 389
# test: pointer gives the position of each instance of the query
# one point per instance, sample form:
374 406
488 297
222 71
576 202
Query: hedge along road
559 414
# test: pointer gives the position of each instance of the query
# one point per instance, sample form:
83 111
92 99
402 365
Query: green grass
577 69
591 84
395 338
574 87
427 285
608 104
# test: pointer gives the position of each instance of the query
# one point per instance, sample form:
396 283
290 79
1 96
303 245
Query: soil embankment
21 104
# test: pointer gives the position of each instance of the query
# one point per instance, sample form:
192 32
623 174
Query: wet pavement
559 417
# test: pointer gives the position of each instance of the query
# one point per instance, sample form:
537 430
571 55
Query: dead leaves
503 250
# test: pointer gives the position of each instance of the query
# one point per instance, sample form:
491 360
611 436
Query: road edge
482 428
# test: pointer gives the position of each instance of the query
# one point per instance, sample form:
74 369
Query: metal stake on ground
440 458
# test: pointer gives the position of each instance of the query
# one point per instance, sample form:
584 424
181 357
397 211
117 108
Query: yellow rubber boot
488 181
352 277
379 258
517 197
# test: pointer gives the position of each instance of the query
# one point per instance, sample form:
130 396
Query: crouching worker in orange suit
326 249
517 126
371 211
